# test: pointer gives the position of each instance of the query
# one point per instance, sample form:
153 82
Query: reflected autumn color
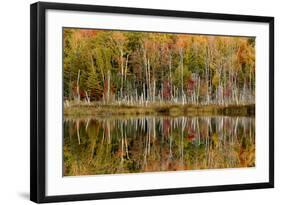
157 143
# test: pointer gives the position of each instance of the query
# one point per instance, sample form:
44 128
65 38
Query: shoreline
158 109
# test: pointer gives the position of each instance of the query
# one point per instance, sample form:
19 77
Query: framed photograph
129 102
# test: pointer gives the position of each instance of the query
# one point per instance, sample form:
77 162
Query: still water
156 143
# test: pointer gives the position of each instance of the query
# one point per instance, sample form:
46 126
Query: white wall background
14 100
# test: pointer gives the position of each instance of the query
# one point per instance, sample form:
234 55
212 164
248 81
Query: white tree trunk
77 86
108 86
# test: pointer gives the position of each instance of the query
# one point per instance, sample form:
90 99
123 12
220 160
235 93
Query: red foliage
190 85
88 33
166 127
227 91
105 87
81 92
190 136
166 90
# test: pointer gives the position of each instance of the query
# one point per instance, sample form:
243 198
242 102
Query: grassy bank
159 109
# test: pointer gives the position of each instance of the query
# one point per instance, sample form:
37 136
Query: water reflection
146 144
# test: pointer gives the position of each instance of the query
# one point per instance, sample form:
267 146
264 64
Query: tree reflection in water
157 143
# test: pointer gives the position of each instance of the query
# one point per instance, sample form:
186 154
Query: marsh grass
158 109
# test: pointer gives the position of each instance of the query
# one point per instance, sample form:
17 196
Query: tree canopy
138 67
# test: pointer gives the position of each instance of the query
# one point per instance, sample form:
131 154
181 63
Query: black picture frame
38 101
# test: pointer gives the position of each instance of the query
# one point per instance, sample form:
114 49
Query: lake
134 144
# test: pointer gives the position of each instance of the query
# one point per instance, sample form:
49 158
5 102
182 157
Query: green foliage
93 85
178 75
133 61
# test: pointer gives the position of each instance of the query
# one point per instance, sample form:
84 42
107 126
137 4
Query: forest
144 69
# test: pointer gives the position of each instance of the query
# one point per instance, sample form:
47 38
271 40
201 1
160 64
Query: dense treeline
141 67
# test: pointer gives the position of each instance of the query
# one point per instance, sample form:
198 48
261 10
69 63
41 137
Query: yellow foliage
216 79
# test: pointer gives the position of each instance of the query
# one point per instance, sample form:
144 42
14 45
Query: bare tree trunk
154 90
122 72
146 74
148 81
108 86
181 63
126 66
236 91
77 86
125 72
87 97
171 80
198 90
224 85
207 74
250 86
